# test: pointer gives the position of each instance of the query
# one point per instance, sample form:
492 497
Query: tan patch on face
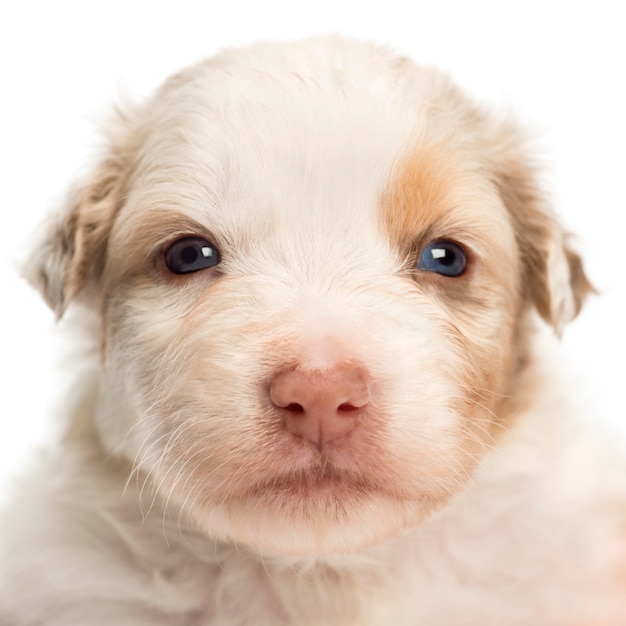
416 197
438 194
433 194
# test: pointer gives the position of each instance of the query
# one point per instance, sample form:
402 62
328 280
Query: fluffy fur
317 430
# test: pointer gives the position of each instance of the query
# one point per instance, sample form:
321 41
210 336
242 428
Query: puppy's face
311 274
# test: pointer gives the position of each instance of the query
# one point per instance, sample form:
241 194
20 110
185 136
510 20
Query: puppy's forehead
292 142
293 146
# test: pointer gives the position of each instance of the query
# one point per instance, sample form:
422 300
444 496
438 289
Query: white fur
468 493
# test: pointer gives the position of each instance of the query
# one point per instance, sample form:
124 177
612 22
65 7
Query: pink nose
321 405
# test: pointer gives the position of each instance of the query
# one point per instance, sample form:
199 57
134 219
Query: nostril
347 407
294 407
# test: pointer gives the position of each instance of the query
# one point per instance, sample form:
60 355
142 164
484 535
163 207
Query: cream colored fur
458 484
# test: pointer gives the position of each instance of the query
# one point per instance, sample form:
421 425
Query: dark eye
191 254
443 257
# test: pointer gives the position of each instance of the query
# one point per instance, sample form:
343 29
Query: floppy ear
72 250
553 276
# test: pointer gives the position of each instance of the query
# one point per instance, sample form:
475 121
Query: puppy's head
312 264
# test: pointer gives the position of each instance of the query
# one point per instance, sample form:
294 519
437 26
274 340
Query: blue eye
443 257
191 254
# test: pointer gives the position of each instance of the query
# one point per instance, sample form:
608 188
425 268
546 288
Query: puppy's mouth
320 487
319 482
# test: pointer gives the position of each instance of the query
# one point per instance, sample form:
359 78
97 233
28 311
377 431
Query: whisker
176 434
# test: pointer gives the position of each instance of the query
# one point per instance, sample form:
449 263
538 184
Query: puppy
319 279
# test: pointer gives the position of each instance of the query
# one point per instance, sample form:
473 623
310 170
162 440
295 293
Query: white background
560 65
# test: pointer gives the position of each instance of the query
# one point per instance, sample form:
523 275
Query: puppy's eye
191 254
443 257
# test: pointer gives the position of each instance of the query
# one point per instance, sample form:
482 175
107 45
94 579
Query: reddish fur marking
417 196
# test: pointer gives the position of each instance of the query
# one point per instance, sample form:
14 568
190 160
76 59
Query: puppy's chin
323 527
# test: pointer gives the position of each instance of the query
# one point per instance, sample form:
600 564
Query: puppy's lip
316 482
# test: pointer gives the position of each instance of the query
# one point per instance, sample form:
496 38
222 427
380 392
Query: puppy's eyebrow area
141 236
417 197
428 197
158 226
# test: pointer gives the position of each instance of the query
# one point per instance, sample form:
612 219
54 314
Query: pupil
447 258
189 255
